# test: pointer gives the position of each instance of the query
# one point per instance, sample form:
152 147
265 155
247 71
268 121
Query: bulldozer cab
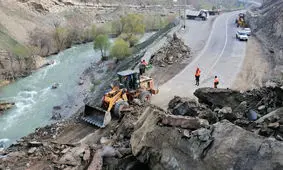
129 79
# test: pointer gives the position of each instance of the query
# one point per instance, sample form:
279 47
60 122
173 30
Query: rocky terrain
197 133
267 25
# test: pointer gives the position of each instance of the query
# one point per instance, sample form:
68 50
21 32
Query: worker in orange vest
216 81
197 76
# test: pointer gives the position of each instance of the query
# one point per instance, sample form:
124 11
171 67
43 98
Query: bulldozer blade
96 116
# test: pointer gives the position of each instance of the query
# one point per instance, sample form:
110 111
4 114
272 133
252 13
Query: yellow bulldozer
240 21
131 86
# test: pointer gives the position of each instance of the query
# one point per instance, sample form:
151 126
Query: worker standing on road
216 81
197 76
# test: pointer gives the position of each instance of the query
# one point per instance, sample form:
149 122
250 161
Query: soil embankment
255 69
266 23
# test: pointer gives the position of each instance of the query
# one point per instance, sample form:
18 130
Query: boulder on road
221 146
219 97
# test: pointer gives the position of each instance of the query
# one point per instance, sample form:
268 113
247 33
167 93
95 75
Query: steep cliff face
267 24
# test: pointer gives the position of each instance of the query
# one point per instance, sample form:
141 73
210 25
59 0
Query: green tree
132 24
102 44
120 49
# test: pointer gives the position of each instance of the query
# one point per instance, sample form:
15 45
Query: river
34 97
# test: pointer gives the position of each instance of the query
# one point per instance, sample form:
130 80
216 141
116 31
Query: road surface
222 55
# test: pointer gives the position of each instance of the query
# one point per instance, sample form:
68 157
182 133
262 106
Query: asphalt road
222 55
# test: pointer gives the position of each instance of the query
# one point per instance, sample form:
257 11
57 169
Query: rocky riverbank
196 132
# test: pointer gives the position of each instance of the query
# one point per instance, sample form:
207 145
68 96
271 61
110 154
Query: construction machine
131 86
240 21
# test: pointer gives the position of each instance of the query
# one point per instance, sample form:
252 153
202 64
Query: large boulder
219 97
221 146
183 106
270 97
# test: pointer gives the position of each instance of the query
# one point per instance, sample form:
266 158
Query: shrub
120 49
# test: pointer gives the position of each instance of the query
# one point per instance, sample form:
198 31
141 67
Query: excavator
240 21
131 86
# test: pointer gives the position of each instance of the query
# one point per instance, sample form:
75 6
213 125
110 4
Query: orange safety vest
197 72
216 80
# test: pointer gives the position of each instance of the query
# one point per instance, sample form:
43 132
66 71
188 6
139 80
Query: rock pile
112 146
265 104
209 134
175 52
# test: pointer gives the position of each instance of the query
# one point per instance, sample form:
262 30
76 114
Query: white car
248 31
242 35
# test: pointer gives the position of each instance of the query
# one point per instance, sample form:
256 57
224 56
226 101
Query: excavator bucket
96 116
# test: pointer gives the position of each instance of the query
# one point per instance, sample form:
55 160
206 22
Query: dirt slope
267 24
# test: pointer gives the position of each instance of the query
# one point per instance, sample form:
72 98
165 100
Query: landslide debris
265 103
209 134
174 52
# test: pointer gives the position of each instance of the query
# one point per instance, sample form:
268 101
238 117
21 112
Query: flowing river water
34 98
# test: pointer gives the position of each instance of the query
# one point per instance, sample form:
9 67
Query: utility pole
184 13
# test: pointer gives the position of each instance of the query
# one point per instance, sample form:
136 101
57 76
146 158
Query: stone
219 97
184 122
97 161
32 150
226 113
260 108
274 125
225 110
35 144
208 115
181 106
137 102
170 59
125 151
81 82
203 134
55 86
86 156
105 141
108 151
17 154
242 108
65 150
68 157
270 84
279 137
6 105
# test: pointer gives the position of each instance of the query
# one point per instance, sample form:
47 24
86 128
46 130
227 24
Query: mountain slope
267 24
